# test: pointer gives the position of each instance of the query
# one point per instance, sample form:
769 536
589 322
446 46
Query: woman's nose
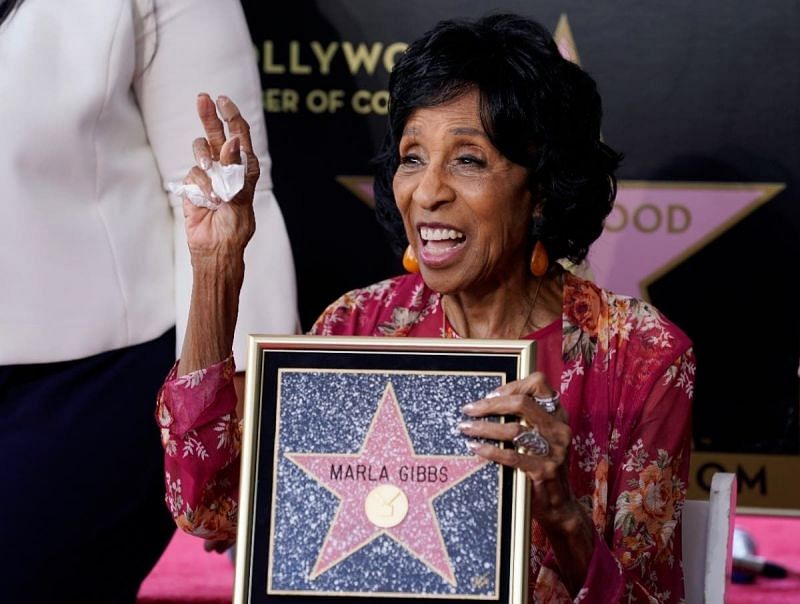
433 188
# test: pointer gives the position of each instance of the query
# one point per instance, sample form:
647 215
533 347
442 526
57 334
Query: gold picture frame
356 483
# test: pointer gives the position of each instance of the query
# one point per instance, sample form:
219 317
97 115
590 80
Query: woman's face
466 208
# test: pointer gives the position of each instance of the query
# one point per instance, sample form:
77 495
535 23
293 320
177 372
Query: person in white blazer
96 99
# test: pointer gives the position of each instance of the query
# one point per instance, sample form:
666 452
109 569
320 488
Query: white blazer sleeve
190 46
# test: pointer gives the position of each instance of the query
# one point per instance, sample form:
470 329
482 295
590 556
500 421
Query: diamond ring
548 403
532 441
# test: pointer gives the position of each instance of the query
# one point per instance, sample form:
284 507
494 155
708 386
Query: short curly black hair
540 110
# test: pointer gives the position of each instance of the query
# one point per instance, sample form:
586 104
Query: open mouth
440 238
441 245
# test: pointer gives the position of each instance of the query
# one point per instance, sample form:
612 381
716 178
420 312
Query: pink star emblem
386 489
655 226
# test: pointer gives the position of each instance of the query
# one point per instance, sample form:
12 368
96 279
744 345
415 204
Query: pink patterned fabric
202 438
626 377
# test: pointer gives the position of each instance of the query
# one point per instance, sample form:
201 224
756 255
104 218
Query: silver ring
533 442
548 403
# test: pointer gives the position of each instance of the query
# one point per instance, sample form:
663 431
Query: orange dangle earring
539 260
410 262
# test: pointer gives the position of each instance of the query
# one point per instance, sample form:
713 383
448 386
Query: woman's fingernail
205 163
465 426
473 445
493 394
469 408
226 107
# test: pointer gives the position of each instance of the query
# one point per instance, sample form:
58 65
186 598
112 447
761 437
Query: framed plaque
356 481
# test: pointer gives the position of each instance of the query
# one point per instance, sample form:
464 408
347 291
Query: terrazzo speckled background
330 412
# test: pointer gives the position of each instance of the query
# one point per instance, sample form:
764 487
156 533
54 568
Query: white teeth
429 234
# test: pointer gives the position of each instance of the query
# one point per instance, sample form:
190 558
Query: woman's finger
505 457
230 152
538 468
500 431
238 127
197 176
202 153
534 386
215 130
557 434
535 383
521 405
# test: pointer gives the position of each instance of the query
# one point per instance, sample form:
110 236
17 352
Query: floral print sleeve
639 561
628 384
201 436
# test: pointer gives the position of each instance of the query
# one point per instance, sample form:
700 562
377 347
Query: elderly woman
492 170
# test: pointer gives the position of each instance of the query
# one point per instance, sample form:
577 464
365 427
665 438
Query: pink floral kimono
626 376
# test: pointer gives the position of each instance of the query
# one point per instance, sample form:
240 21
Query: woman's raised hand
226 229
217 236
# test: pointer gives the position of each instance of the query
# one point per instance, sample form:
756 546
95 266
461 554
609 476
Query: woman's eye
409 160
471 160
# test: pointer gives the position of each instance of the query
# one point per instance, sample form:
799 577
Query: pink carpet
187 574
778 540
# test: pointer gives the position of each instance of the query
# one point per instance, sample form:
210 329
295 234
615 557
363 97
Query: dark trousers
82 513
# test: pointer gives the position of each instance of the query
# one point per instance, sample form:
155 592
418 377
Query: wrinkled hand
227 228
552 500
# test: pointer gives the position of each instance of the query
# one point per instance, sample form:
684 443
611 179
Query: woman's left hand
552 500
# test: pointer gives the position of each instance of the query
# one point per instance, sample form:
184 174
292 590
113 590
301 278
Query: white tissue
226 182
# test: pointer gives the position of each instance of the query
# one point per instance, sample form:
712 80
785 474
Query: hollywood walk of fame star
383 491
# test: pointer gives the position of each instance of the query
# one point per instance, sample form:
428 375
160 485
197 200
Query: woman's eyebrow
466 130
459 131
